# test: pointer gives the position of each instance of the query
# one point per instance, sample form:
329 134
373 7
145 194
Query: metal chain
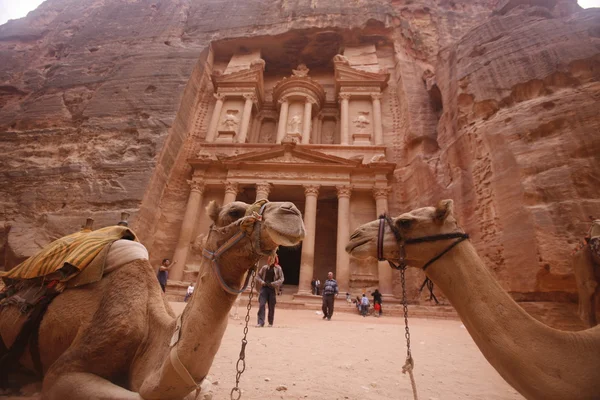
241 363
405 306
409 364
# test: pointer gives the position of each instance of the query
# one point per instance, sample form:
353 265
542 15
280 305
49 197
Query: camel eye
236 213
405 223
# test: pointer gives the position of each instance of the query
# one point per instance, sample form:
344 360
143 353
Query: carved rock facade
494 107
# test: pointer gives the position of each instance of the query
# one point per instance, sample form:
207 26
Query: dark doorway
289 259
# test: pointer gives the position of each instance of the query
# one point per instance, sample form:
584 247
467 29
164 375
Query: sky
13 9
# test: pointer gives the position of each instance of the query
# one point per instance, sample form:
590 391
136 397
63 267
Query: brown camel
111 339
538 361
586 265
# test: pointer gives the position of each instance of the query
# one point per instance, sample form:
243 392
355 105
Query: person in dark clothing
377 300
163 272
270 277
330 290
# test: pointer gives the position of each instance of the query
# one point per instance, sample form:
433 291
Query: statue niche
229 126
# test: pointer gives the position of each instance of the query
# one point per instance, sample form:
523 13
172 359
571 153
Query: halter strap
402 242
249 221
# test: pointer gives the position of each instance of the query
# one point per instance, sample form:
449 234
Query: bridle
403 242
249 226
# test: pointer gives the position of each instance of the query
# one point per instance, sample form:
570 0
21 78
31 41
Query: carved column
377 124
283 115
344 119
262 190
315 130
343 234
306 122
308 245
385 272
231 191
250 99
187 229
214 121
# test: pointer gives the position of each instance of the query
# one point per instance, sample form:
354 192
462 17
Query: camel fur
540 362
110 339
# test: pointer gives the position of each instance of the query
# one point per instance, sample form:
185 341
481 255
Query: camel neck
204 321
523 350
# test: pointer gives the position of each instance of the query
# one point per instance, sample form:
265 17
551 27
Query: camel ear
213 209
444 209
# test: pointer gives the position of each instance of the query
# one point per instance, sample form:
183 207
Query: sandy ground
354 357
351 357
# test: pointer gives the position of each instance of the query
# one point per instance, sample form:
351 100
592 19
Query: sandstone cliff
495 106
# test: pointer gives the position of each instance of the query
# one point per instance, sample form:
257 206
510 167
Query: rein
383 219
253 220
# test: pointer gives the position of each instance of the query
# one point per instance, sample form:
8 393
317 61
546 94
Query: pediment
290 154
345 75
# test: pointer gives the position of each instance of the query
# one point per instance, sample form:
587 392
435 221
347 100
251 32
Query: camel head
281 225
421 222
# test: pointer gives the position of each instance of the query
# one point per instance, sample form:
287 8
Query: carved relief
231 187
302 70
231 121
327 137
376 96
344 96
196 186
381 193
343 191
263 187
294 124
340 59
311 190
361 121
378 158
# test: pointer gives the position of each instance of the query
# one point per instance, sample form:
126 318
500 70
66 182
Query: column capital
196 185
264 187
309 100
219 96
376 96
381 192
282 100
231 187
250 96
344 96
343 191
311 190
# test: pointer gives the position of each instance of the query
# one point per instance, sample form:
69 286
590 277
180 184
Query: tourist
317 286
270 277
313 286
377 298
330 290
348 298
364 305
163 272
190 291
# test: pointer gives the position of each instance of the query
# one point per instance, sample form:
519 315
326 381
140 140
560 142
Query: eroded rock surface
492 103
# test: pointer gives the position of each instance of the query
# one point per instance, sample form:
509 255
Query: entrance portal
289 259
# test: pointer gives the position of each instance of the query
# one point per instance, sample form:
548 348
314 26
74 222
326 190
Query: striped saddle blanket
73 260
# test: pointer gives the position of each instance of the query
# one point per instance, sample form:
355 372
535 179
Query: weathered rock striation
492 103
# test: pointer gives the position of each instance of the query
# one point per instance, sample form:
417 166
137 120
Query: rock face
494 104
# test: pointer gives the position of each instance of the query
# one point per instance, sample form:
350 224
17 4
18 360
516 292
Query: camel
118 338
586 265
538 361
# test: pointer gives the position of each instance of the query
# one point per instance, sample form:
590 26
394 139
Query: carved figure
328 137
340 58
231 121
361 121
120 327
301 71
538 361
295 124
586 265
378 158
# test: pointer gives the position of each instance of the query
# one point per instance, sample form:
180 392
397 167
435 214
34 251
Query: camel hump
122 252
